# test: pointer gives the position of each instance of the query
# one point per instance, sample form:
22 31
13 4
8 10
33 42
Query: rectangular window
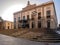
39 15
48 13
32 17
18 18
23 17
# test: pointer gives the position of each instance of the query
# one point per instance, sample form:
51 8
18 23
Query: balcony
23 21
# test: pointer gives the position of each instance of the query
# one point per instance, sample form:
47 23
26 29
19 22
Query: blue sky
8 7
57 7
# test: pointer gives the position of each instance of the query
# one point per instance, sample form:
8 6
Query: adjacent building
36 16
8 25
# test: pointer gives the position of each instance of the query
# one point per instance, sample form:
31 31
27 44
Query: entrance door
8 27
39 24
32 25
27 25
48 24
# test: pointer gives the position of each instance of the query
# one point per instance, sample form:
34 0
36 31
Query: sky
8 7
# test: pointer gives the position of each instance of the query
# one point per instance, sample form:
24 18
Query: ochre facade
36 16
8 25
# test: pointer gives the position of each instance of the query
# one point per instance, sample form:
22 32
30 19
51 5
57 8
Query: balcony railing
23 21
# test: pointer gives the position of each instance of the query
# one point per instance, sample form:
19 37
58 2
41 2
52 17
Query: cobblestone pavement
7 40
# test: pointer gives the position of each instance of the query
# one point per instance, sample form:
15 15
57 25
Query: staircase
34 34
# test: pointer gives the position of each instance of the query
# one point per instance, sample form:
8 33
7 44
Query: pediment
29 7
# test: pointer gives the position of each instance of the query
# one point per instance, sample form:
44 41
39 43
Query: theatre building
36 16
